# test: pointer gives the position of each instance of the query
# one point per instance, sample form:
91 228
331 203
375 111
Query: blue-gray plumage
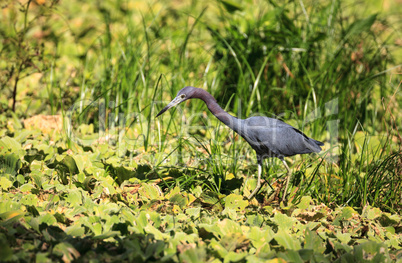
268 137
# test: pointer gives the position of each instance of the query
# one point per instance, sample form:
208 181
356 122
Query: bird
269 137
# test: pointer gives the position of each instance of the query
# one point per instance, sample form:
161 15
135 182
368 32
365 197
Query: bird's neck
222 115
229 120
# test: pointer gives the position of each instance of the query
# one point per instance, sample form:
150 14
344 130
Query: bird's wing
271 136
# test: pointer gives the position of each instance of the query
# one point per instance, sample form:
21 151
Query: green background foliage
103 180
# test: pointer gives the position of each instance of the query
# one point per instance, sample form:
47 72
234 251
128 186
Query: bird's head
183 95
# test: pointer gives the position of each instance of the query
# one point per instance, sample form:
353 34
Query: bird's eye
182 96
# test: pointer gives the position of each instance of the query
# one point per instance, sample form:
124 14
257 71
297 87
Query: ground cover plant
88 174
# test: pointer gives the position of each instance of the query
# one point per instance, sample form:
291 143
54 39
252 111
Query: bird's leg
258 179
287 180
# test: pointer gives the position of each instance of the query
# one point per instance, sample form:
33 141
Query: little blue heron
268 137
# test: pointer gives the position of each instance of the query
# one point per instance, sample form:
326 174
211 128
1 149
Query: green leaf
47 219
235 202
231 213
66 251
231 6
107 187
52 233
255 220
142 220
232 241
260 237
124 173
150 229
22 135
291 256
127 215
150 191
11 216
74 198
228 227
154 249
313 241
30 199
110 234
10 164
20 179
193 212
209 197
370 250
70 163
26 187
287 241
217 247
305 202
388 219
37 178
42 258
5 183
347 213
194 255
179 200
371 213
234 256
307 255
89 183
344 237
173 192
208 230
284 222
256 259
10 144
96 228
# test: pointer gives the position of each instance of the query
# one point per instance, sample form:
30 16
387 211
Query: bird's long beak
173 103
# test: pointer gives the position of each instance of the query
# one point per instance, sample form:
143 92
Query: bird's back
274 138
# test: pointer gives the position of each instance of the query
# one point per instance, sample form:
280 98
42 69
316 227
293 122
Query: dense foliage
87 173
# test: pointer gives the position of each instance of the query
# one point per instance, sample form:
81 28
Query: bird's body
267 136
274 138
